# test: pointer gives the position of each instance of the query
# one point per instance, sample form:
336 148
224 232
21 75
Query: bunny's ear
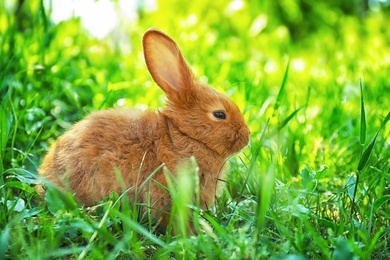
166 63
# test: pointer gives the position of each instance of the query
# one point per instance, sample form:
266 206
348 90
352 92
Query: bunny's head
198 111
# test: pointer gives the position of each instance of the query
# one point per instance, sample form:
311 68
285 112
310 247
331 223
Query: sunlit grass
315 133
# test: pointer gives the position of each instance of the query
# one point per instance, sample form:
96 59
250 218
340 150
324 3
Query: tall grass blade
343 250
367 152
385 233
282 88
364 160
134 225
362 117
93 237
18 185
352 185
5 129
46 38
255 150
4 237
264 196
58 199
284 122
385 200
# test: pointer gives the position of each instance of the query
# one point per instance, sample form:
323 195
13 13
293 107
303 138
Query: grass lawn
313 84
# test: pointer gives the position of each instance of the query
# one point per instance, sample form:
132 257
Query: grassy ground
289 194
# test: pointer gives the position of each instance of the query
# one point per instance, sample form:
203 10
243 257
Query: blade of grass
385 200
362 117
46 38
5 126
4 237
263 200
92 238
284 122
255 153
385 233
18 185
282 88
364 160
367 152
138 228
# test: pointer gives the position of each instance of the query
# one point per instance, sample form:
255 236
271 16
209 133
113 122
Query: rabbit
197 122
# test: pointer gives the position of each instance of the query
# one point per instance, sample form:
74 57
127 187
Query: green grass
313 183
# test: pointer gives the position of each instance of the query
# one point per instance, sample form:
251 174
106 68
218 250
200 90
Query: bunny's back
86 158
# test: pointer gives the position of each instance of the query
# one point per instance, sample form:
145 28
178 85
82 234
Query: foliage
314 181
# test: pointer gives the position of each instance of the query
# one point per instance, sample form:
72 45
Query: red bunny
197 121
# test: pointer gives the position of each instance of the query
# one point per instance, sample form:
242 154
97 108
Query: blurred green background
294 67
58 72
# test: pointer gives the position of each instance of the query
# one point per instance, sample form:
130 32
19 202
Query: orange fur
135 143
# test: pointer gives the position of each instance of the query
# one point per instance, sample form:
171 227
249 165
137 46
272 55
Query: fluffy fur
85 159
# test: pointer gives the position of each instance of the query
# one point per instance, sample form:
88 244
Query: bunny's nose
242 138
245 132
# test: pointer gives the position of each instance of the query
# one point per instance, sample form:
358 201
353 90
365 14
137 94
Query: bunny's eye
219 115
